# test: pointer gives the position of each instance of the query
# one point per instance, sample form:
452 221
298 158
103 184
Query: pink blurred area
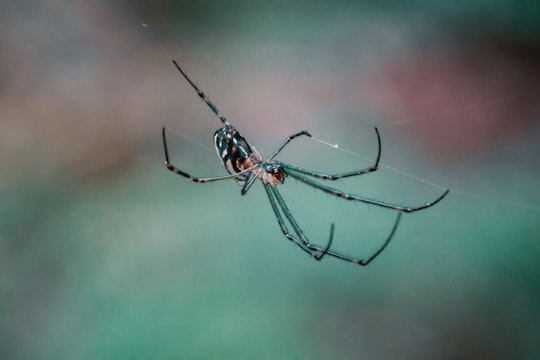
82 93
459 100
73 97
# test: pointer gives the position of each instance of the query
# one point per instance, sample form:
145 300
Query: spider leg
249 182
202 95
297 228
176 170
372 257
288 140
275 198
324 176
347 196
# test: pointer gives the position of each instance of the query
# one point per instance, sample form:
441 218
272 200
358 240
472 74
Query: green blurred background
105 254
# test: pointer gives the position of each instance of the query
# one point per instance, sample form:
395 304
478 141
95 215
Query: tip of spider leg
163 133
165 147
440 197
325 251
330 240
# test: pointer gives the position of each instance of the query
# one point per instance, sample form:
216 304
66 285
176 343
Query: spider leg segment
324 176
348 196
198 180
202 95
250 181
279 206
288 140
372 257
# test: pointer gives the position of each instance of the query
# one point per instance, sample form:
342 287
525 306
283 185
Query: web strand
455 192
450 110
381 164
430 183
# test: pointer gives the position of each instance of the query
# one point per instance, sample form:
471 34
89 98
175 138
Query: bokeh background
105 254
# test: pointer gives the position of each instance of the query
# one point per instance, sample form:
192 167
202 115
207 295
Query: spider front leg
198 180
202 95
324 176
348 196
288 140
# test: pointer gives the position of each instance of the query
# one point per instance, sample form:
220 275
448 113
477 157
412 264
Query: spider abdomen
235 153
233 150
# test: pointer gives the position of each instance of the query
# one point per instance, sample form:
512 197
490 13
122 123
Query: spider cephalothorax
272 173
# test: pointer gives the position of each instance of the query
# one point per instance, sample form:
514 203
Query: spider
246 165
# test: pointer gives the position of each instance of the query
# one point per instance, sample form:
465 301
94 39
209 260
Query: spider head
273 173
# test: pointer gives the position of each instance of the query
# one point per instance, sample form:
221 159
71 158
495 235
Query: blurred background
106 254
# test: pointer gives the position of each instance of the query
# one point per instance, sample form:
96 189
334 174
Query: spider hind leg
279 206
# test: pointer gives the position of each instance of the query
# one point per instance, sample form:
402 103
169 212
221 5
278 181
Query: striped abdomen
234 151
